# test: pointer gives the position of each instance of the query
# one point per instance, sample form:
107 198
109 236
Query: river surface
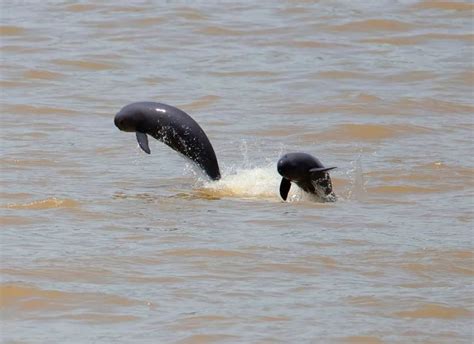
102 243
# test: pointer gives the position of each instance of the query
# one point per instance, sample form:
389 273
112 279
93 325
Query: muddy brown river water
101 243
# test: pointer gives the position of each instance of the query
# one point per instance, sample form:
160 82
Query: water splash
245 152
357 189
256 182
248 180
259 182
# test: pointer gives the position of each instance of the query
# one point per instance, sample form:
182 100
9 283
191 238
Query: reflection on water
103 243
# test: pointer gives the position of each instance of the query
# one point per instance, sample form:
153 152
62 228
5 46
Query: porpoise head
130 119
307 172
292 169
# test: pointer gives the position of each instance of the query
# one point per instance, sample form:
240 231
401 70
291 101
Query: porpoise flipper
285 186
142 139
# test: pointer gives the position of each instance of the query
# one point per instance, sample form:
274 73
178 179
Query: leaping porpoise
308 173
173 127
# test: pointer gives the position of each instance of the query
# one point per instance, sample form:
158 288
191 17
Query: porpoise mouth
118 122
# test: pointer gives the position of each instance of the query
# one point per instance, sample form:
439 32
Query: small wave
81 7
411 76
221 31
31 298
86 65
435 311
361 340
39 110
148 22
340 74
202 102
11 84
48 203
11 30
226 31
366 132
401 189
191 13
35 163
126 9
445 5
464 78
208 338
314 45
433 105
203 252
428 262
42 74
244 73
419 39
365 301
94 318
374 24
15 221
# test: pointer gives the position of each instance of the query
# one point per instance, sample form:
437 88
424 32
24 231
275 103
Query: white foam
259 182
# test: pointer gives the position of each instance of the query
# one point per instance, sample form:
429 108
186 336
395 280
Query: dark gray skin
308 173
172 127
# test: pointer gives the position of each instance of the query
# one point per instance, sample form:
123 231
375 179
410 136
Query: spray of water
262 181
357 189
247 180
246 183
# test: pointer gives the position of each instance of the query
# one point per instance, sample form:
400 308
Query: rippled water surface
101 243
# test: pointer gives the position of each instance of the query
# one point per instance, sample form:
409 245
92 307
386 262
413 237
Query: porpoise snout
118 122
291 168
280 165
125 121
284 166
